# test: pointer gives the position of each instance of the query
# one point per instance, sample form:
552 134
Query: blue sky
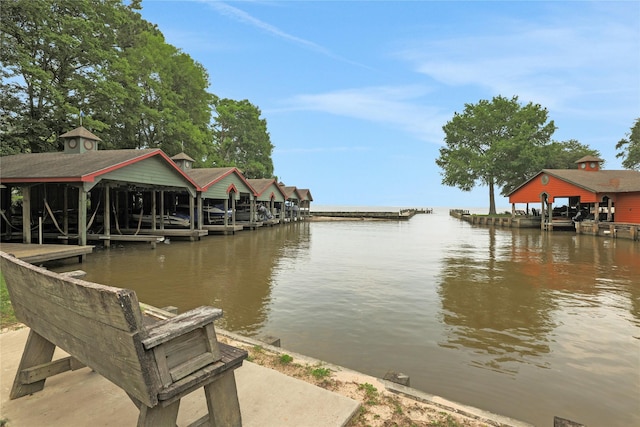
355 93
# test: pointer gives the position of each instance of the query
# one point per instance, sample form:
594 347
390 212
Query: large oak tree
494 143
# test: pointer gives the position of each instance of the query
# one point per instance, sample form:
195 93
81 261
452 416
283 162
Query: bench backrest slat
99 325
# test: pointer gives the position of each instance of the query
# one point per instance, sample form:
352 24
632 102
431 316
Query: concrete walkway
84 398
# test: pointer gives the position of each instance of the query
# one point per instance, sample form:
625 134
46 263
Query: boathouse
84 193
270 195
305 201
596 201
291 204
225 199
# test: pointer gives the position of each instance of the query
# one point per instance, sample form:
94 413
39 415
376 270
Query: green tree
241 139
494 143
563 154
631 148
169 100
53 56
97 56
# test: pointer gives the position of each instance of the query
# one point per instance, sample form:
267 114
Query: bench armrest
166 330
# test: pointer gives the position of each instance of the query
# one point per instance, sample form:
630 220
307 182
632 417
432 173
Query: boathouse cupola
183 161
80 140
589 163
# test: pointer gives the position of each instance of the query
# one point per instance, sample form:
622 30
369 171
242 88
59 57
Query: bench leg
37 351
222 401
159 416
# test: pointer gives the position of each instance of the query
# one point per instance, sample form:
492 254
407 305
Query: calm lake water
518 322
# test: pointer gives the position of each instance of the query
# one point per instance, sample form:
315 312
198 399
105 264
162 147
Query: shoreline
383 403
394 404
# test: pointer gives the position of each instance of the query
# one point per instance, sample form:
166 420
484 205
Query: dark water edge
518 322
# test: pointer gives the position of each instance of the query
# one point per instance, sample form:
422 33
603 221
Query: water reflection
492 309
234 273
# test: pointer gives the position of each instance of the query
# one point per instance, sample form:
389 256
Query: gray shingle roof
66 166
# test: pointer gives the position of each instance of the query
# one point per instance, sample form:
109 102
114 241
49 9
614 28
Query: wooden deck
223 229
36 254
170 232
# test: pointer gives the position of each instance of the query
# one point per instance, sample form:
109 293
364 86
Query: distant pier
402 214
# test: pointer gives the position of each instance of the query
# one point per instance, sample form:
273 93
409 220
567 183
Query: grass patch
370 393
285 359
7 316
320 373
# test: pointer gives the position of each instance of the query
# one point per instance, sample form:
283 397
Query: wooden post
609 207
226 209
65 212
252 208
107 215
199 215
26 214
542 212
154 209
82 216
233 210
191 211
161 209
550 213
597 213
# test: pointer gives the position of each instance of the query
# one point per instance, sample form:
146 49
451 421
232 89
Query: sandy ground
380 407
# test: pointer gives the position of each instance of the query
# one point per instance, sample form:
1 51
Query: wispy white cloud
557 64
400 107
245 18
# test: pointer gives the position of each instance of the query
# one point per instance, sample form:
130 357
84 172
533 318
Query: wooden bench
155 362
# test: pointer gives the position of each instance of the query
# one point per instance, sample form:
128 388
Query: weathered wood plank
37 350
186 322
46 370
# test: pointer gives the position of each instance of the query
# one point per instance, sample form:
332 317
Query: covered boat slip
85 194
270 200
228 190
599 202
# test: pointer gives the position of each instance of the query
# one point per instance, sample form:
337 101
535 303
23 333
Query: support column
26 214
609 207
82 216
233 210
154 209
107 215
199 214
226 209
65 212
252 209
191 213
597 212
162 210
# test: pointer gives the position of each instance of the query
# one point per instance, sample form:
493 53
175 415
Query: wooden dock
36 254
223 229
178 233
401 215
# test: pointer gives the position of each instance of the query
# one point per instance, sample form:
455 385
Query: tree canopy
496 143
241 139
101 58
630 147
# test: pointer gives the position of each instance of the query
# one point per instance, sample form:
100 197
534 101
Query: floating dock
403 214
36 254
